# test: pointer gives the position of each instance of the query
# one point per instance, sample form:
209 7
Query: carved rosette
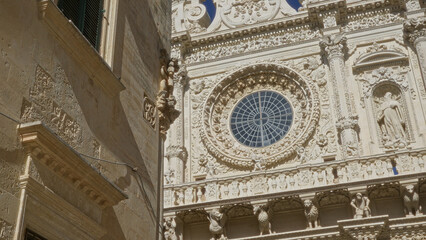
216 134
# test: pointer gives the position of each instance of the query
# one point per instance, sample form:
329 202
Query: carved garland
302 95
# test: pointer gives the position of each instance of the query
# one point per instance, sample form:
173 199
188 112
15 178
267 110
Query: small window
30 235
86 16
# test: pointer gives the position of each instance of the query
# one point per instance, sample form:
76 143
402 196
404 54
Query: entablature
47 148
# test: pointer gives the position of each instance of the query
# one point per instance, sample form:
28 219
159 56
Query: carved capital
333 45
178 152
414 29
347 123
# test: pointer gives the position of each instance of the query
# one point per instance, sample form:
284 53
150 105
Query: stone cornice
56 204
310 15
44 146
79 47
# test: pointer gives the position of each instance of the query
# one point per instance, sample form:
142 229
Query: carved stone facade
350 165
80 130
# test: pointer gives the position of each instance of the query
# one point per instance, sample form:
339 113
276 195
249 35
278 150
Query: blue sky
211 9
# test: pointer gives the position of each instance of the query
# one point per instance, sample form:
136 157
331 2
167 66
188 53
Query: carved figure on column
217 225
169 228
165 100
169 176
411 201
301 154
311 214
391 121
264 215
361 206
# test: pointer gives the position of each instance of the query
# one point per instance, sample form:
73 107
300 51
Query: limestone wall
69 90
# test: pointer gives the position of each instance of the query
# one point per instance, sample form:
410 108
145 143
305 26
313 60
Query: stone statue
263 214
217 225
411 201
391 121
311 214
301 155
258 162
360 204
169 176
169 227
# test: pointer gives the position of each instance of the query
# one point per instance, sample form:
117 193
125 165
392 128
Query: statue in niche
391 121
361 206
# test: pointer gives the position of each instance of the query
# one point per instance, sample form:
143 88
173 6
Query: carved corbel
263 213
165 100
217 219
411 199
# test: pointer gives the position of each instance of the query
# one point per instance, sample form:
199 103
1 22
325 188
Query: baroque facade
305 124
85 100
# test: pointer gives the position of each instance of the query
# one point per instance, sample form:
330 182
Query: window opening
86 16
30 235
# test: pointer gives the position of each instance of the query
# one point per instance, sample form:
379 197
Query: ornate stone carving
311 214
217 225
264 215
6 230
414 29
177 157
333 45
165 100
381 75
149 111
372 19
411 201
237 13
189 16
391 117
251 43
300 93
361 206
412 5
43 105
169 228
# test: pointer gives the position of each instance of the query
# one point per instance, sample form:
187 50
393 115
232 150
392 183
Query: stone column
415 33
177 156
334 47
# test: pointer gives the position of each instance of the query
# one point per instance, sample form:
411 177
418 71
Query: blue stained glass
261 119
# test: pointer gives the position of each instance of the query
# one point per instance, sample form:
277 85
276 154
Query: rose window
261 119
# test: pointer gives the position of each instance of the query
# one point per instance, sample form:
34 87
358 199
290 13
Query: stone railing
302 177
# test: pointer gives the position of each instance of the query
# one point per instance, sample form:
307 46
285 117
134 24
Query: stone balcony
352 175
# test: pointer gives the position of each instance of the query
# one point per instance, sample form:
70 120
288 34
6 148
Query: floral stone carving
301 94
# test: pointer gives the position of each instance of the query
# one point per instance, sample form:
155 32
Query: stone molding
312 13
72 40
44 146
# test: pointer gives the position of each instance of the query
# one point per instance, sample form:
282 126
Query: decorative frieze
304 177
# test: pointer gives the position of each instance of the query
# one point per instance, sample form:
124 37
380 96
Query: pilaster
334 47
415 33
